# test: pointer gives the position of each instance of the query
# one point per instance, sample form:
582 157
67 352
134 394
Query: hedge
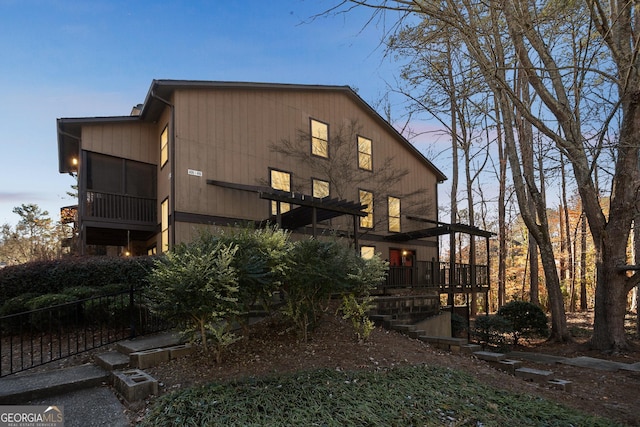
44 277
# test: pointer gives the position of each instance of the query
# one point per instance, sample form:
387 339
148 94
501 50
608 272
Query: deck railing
37 337
437 275
120 207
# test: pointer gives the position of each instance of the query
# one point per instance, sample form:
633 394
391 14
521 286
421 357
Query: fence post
132 317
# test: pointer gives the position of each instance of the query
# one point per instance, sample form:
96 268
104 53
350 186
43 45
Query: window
319 138
280 181
367 252
164 226
319 188
364 153
164 146
366 198
394 214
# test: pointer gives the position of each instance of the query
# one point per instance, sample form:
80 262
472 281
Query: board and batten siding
134 141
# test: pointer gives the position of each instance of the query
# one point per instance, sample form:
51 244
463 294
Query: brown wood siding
226 134
133 141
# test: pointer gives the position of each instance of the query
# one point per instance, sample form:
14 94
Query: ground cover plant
400 396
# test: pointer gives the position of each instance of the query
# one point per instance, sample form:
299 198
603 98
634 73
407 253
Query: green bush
54 276
357 310
81 292
321 269
490 330
44 320
260 262
196 285
527 320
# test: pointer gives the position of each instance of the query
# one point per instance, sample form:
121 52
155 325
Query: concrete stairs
126 365
514 367
460 345
123 368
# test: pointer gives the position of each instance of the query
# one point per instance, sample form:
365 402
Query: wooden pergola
306 209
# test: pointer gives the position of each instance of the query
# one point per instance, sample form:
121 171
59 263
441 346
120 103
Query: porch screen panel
104 173
140 179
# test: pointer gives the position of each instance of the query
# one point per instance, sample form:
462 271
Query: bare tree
608 64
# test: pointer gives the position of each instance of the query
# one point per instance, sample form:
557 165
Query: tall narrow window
164 226
366 198
319 138
164 146
280 181
364 153
320 188
394 214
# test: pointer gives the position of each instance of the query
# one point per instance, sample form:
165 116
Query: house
314 159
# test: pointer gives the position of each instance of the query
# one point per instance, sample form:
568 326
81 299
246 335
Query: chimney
136 110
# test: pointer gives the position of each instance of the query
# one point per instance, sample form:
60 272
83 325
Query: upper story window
364 153
366 198
394 214
319 139
164 146
280 180
319 188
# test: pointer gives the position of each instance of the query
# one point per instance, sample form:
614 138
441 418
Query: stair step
112 360
21 388
559 384
149 343
536 375
489 356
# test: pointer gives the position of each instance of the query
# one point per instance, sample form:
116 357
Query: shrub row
42 277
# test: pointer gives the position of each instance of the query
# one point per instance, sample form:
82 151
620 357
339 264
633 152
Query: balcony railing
437 275
120 207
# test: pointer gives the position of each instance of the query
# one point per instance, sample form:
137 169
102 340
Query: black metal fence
37 337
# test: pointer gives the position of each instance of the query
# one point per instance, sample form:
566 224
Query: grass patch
403 396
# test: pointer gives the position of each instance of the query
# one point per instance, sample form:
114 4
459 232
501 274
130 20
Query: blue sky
63 58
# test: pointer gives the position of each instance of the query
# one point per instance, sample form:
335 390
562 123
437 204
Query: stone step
470 348
508 365
559 384
489 356
112 360
149 342
535 375
22 388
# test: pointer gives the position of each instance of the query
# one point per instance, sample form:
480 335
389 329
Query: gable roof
159 95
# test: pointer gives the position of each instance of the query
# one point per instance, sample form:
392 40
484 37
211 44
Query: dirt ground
265 349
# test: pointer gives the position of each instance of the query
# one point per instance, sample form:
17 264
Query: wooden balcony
119 208
436 276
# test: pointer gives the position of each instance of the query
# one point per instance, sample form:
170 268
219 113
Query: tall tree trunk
502 213
583 263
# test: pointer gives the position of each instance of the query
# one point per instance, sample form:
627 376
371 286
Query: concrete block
179 351
148 358
489 356
134 384
558 384
535 375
